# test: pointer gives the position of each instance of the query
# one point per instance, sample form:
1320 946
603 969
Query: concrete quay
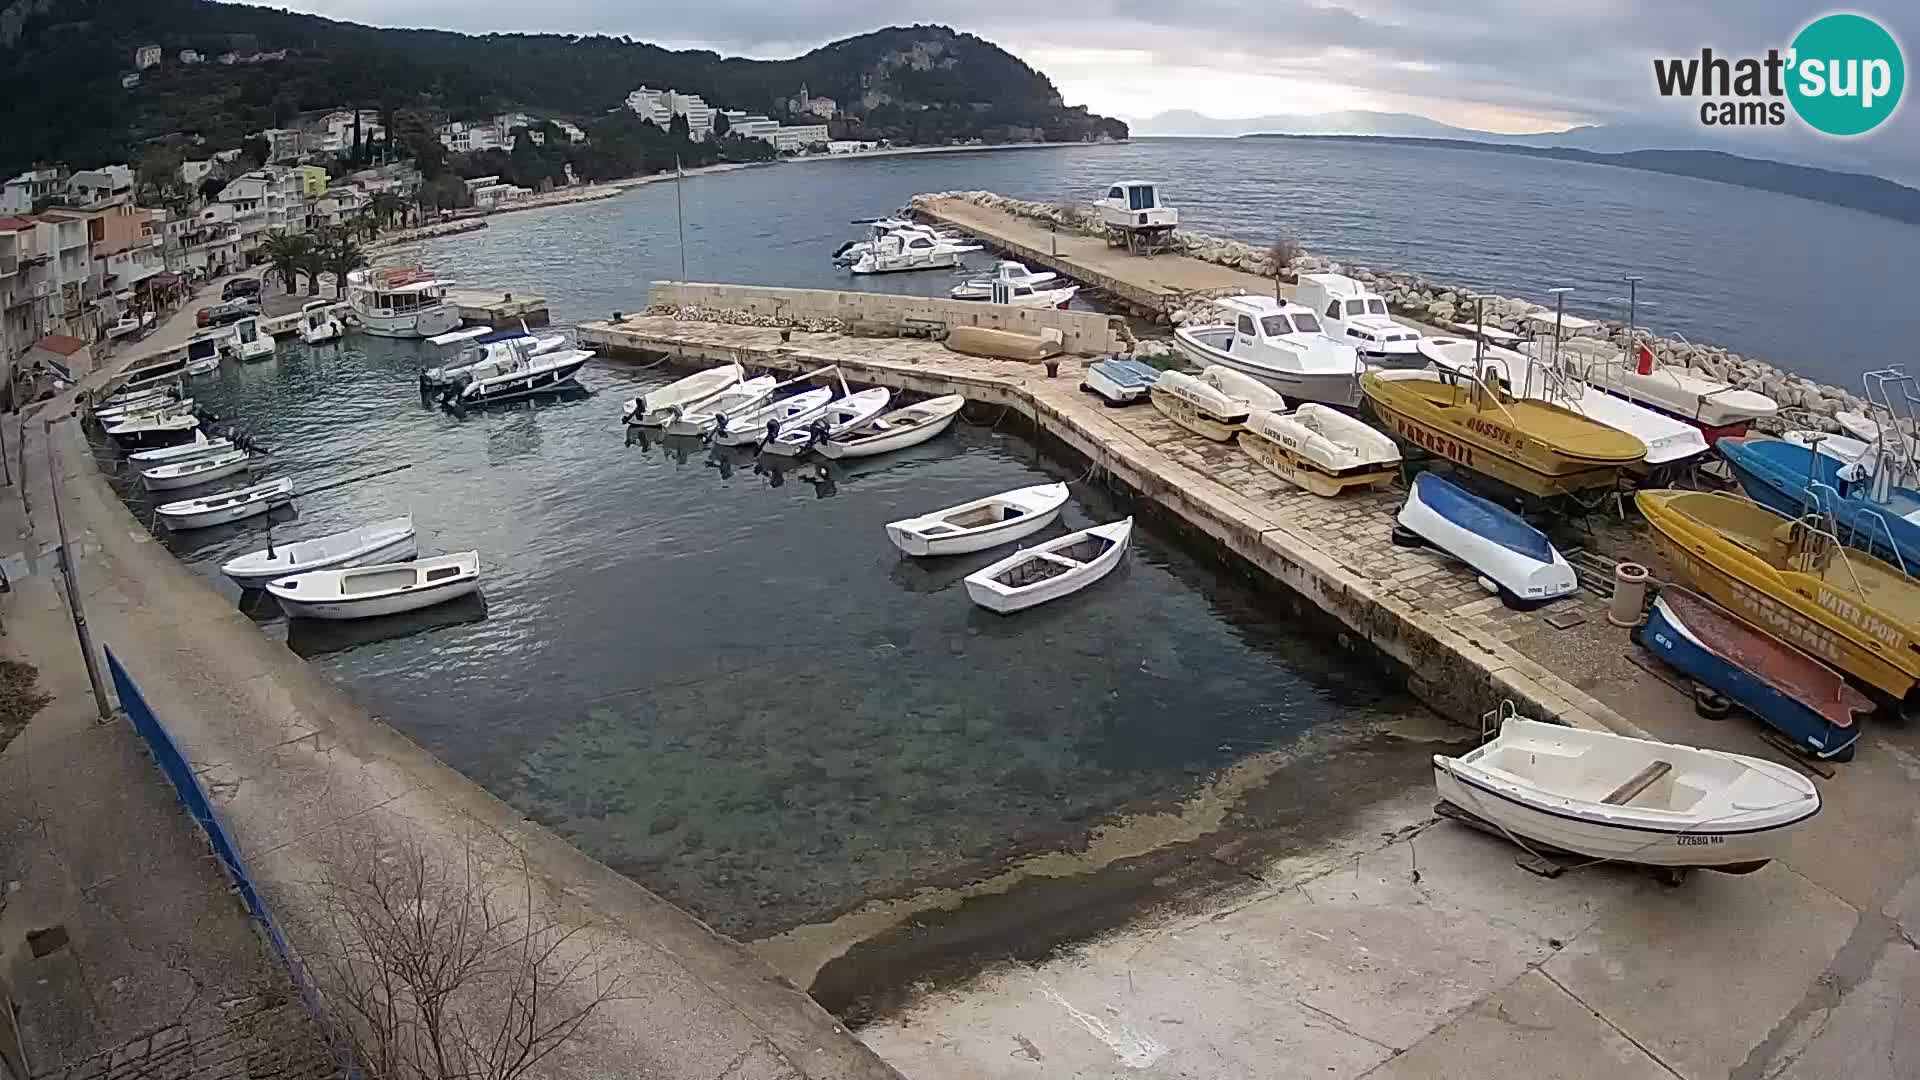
499 308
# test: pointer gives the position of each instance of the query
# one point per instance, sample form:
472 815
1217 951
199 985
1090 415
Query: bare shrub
1280 256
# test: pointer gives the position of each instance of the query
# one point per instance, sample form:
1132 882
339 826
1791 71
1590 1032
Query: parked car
241 287
200 316
232 311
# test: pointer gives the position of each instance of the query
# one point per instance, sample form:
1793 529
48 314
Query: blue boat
1798 696
1120 382
1496 542
1794 480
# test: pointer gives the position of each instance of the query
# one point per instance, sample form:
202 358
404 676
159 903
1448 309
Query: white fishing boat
1717 407
365 592
133 412
318 324
1281 345
485 351
1013 273
1057 568
154 429
1355 315
1258 396
148 392
1197 406
1518 559
227 506
138 405
908 250
400 302
841 416
248 343
896 430
1017 295
1120 381
980 524
384 541
1320 449
198 446
1629 800
771 418
197 470
524 375
700 417
657 406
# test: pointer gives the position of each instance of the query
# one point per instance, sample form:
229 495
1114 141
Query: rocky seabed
1417 298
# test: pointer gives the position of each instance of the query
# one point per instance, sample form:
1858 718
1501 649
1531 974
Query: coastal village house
146 56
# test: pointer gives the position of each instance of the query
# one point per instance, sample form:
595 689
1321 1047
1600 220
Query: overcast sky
1503 65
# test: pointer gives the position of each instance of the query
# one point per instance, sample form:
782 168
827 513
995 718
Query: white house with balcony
335 132
146 56
20 194
99 185
191 56
571 131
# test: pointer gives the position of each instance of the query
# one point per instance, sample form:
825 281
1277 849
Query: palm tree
287 252
386 206
313 264
343 257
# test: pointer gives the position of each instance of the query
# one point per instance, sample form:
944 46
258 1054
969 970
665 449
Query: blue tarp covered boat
1120 381
1794 480
1495 541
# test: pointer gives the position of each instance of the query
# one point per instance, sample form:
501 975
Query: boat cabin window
920 242
1376 306
1244 325
1307 323
1116 193
1333 310
1023 290
1276 325
1356 307
1140 197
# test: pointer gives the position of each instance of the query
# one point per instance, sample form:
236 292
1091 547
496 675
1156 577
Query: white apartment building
283 144
28 286
19 194
95 185
193 172
649 104
751 125
470 138
799 137
146 56
336 130
661 106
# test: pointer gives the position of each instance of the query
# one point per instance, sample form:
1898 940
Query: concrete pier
499 308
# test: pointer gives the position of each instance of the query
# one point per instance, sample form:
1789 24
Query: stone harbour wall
1417 298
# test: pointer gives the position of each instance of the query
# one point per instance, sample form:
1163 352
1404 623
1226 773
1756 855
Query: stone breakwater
741 317
1422 300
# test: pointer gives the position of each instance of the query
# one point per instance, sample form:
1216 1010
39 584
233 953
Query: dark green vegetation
61 63
1856 191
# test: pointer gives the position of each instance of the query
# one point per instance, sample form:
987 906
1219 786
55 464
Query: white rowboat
980 524
1056 568
895 430
201 446
387 540
365 592
198 470
656 407
1608 796
227 506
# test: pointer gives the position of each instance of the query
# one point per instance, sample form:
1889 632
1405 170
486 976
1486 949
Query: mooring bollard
1629 594
1053 368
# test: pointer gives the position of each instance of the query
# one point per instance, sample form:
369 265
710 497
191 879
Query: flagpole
680 209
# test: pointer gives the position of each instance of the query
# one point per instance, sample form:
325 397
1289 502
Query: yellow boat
1539 448
1795 581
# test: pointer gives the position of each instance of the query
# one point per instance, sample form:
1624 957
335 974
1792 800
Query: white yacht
1351 313
249 342
1013 273
911 249
400 302
1280 344
318 324
1016 294
850 252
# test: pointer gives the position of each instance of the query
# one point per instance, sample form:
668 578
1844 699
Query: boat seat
1638 783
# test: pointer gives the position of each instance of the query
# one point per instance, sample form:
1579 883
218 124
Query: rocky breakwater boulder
742 317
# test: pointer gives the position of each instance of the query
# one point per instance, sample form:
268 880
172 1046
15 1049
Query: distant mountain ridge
1345 122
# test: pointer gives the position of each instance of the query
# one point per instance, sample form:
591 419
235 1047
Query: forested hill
61 63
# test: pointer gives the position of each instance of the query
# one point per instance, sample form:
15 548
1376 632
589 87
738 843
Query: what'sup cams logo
1842 75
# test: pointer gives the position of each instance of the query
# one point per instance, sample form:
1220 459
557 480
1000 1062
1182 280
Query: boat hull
400 549
1192 417
1301 471
374 607
535 382
967 543
1496 543
1339 389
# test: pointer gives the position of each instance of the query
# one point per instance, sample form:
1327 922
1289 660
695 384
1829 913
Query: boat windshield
1376 307
1307 323
1276 325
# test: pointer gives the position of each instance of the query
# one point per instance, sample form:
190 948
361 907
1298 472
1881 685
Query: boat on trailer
1320 449
1629 800
228 506
896 430
657 406
1496 542
365 592
1197 406
1120 381
1719 409
1057 568
384 541
980 524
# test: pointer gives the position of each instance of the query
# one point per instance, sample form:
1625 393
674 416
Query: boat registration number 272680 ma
1699 840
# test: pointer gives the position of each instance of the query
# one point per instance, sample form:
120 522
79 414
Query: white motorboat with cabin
1320 449
1134 216
228 506
1629 800
153 429
483 345
1281 345
198 446
400 302
249 344
701 417
146 376
658 406
850 252
896 430
1197 406
365 592
205 348
840 416
772 417
909 250
1355 315
980 524
523 375
1057 568
1013 273
384 541
1017 295
318 324
203 469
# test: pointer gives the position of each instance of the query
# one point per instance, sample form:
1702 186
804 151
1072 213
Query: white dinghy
201 446
364 592
387 540
658 406
197 470
1056 568
227 506
700 417
1197 406
895 430
1259 397
1629 800
980 524
769 419
840 417
1320 449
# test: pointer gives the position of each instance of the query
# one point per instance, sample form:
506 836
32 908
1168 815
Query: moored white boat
364 592
227 506
980 524
154 429
522 376
1629 800
1320 449
204 365
485 351
197 470
150 407
1497 543
1061 566
657 406
401 302
701 416
910 249
199 446
1006 270
387 540
772 417
1197 406
249 343
318 324
1281 345
896 430
840 416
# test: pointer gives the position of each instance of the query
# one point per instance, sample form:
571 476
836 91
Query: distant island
1855 191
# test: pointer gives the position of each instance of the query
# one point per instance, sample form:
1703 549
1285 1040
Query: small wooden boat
1533 446
157 429
227 506
1005 344
1120 382
840 417
1320 449
1629 800
1198 407
767 421
1496 542
383 541
895 430
980 524
700 417
1259 397
124 413
1800 697
1063 565
196 470
658 406
199 446
364 592
1795 579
